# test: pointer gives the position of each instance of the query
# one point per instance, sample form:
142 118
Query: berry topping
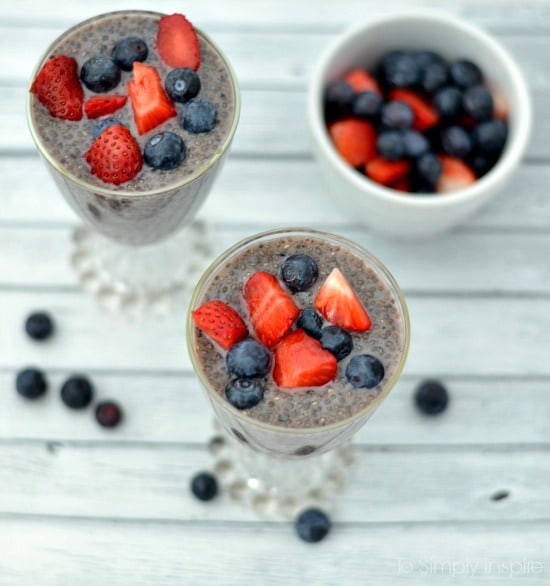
386 172
182 84
220 322
311 322
177 42
455 174
57 87
39 325
361 81
391 145
198 116
433 77
339 97
428 170
364 371
464 73
77 392
164 151
272 310
100 74
425 115
299 272
448 103
100 125
478 103
31 383
128 50
367 105
489 137
150 104
204 486
337 341
456 141
396 114
108 414
103 105
431 397
301 361
312 525
415 144
248 358
244 393
399 70
115 156
355 140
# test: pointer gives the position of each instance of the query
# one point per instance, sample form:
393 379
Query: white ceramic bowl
381 208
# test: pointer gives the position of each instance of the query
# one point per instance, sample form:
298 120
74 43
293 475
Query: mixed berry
417 123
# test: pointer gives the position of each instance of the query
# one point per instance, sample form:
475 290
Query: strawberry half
150 104
355 140
301 361
387 172
455 174
425 115
103 105
57 87
115 156
272 310
338 303
220 322
177 42
362 81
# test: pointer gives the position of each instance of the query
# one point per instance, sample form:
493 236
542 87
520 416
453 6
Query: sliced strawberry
362 81
339 304
177 42
455 174
402 184
150 104
272 310
220 322
355 140
115 156
387 172
500 106
425 115
98 106
57 87
301 361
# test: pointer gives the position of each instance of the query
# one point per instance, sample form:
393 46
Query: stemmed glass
139 248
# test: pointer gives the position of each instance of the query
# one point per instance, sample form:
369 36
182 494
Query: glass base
141 280
278 487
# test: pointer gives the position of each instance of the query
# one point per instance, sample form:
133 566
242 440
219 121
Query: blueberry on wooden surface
312 525
108 414
204 486
431 397
31 383
77 392
39 325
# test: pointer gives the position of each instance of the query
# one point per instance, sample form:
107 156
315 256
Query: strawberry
272 310
387 172
150 104
425 115
355 140
57 87
362 81
115 156
177 42
220 322
338 303
455 174
301 361
103 105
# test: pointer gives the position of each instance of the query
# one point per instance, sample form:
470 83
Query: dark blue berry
244 393
415 144
182 84
428 169
431 397
39 325
364 371
490 137
478 103
248 358
481 163
425 58
338 99
77 392
108 414
448 103
312 525
128 50
456 141
102 123
396 115
204 486
391 145
100 74
337 341
164 151
31 383
198 116
311 322
367 105
464 73
433 77
299 272
399 69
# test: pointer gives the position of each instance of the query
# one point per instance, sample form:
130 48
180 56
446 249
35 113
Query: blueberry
100 74
198 116
415 144
77 392
426 58
102 123
399 69
128 50
448 102
433 77
367 105
481 163
464 73
164 151
299 272
456 141
311 322
31 383
490 137
244 393
478 103
391 145
364 371
248 358
312 525
431 397
337 341
108 414
396 115
182 84
428 169
204 486
39 325
338 98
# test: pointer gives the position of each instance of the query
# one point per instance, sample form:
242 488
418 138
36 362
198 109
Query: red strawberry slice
355 140
115 156
455 174
103 105
272 310
220 322
425 115
387 172
177 42
150 104
362 81
301 361
57 87
340 305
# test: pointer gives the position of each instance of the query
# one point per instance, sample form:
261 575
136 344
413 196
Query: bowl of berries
417 120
